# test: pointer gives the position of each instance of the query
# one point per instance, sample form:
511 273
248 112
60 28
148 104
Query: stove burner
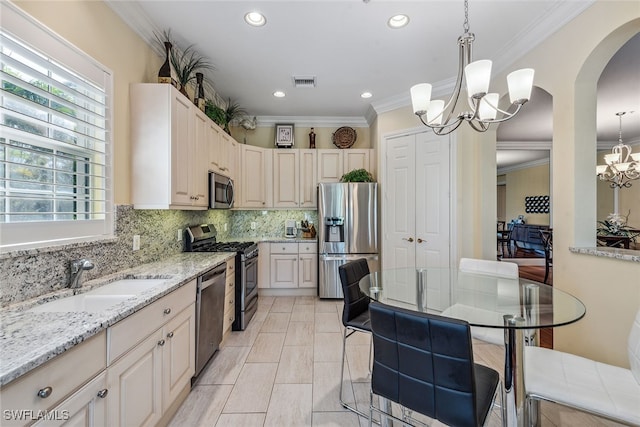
222 246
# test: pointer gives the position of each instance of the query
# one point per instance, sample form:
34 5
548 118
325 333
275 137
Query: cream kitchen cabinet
308 265
293 265
86 407
332 164
294 178
255 177
168 139
264 265
229 297
58 385
151 358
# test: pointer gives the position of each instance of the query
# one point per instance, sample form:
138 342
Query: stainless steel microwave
220 191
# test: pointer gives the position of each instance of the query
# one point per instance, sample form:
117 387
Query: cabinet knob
161 343
263 203
170 334
45 392
167 311
103 393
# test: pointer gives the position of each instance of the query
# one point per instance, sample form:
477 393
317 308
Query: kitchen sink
126 286
84 302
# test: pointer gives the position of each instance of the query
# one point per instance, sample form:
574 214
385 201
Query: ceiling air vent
304 81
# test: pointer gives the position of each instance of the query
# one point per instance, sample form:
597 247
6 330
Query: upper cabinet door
286 182
181 172
356 159
308 179
255 177
330 165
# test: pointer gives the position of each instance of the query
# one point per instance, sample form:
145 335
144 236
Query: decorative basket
344 137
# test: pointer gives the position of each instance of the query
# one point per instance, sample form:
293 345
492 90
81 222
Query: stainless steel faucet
77 267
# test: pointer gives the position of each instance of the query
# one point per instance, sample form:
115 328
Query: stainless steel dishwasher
209 314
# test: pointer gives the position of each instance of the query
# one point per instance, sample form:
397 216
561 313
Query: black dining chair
355 314
547 243
424 362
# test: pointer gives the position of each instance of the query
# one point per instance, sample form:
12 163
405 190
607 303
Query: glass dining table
514 309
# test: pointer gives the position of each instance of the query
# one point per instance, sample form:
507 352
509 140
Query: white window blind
54 139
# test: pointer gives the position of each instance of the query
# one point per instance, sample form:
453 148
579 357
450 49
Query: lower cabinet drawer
130 331
46 386
284 248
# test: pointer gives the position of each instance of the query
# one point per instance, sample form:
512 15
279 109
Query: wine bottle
165 74
198 99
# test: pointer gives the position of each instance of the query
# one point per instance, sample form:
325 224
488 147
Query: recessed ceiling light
366 95
398 21
255 19
279 94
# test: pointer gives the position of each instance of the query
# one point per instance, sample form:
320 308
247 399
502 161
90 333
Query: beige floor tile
327 322
260 315
276 322
306 300
244 338
304 315
299 333
240 420
202 407
225 367
326 387
327 347
334 419
265 301
282 305
296 365
290 405
253 388
358 359
326 306
361 394
266 348
359 338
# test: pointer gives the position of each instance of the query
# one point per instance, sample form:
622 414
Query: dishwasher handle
212 276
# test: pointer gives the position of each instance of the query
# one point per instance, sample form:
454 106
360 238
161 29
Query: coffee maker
290 230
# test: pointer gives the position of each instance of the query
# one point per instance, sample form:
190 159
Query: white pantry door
416 210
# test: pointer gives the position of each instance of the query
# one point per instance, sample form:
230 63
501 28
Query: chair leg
344 359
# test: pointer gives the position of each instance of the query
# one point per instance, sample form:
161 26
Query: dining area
422 353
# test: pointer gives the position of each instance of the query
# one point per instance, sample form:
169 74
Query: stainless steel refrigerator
347 230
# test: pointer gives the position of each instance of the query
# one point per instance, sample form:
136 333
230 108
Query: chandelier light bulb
478 75
488 106
434 112
520 83
421 97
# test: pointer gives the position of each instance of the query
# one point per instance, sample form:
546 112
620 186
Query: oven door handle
250 262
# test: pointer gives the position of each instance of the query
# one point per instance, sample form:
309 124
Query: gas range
203 238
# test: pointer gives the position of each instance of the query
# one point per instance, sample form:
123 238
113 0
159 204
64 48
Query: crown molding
524 145
305 121
608 145
525 165
135 17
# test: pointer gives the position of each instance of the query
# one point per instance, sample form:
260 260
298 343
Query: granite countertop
29 339
280 239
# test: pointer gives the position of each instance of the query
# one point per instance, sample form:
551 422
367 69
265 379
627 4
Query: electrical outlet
179 236
253 225
225 226
136 242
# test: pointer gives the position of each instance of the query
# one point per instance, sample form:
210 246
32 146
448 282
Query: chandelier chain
465 26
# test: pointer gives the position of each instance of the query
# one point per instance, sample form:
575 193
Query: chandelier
483 105
622 166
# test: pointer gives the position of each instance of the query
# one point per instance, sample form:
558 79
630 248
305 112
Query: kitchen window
55 148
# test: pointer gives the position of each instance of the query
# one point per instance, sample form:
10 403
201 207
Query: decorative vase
198 98
312 139
166 74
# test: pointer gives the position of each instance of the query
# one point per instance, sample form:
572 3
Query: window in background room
54 139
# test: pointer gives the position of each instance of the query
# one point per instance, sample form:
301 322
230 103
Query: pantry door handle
410 239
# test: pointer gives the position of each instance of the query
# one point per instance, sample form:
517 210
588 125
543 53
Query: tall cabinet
167 136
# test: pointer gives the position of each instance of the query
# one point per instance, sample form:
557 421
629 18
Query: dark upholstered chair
355 314
424 362
547 242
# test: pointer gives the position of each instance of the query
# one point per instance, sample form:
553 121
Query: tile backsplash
29 274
